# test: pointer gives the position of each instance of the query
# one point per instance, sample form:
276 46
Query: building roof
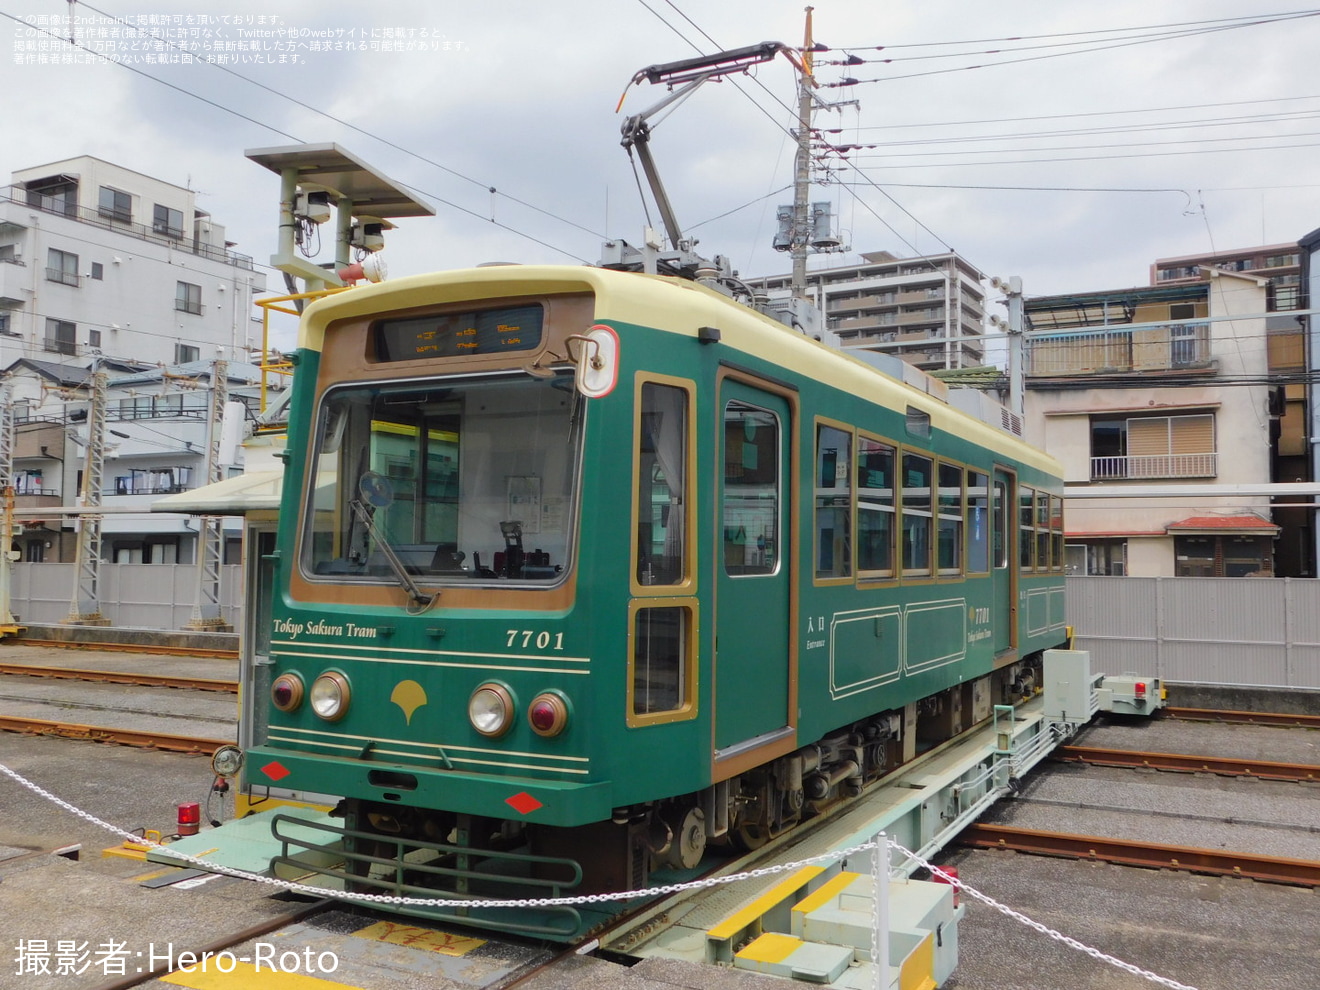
1214 525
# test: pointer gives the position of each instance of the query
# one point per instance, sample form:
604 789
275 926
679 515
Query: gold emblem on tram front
410 696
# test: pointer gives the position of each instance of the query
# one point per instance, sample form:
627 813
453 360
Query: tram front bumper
544 802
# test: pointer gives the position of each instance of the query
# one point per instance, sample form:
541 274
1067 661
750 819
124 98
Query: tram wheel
749 836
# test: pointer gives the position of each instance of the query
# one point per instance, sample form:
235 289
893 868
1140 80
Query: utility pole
85 606
1017 393
802 168
8 626
210 529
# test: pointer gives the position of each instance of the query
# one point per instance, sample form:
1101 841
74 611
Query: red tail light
547 714
190 818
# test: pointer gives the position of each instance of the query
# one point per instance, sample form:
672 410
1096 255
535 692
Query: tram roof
634 298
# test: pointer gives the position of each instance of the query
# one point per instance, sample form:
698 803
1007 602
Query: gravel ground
1244 742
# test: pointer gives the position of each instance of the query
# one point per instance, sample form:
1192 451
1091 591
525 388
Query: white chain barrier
391 900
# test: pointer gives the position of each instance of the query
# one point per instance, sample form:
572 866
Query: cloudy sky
1068 142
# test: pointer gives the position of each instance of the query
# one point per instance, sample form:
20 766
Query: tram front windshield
456 480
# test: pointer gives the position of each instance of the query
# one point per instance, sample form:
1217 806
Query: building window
1223 556
98 270
186 353
188 298
1153 447
115 205
167 221
61 266
5 327
61 337
1097 558
154 481
93 338
9 254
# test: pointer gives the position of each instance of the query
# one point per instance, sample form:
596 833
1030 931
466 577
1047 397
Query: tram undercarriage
413 850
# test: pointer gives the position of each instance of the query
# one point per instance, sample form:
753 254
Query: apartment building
158 433
929 311
102 263
99 258
1163 390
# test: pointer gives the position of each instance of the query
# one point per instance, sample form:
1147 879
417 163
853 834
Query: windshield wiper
421 600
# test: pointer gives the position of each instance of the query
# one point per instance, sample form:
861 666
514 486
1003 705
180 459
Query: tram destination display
491 331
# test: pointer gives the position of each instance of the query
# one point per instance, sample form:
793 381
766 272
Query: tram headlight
329 696
286 692
548 714
490 709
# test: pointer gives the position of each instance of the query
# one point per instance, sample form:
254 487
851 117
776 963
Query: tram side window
1042 531
833 502
661 681
750 514
1026 527
1003 512
1056 530
950 535
875 508
662 440
917 477
978 536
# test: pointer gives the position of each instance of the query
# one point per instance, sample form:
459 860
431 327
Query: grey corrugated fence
148 596
1233 631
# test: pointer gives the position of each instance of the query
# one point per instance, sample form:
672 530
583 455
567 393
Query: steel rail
121 677
1187 763
141 738
1217 862
1243 718
152 649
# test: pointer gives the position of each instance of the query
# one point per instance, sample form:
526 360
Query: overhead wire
1081 51
360 130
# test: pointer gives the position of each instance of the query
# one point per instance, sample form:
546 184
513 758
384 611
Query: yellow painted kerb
736 922
245 976
772 947
828 891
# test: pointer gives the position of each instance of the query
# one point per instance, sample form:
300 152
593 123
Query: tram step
785 956
769 912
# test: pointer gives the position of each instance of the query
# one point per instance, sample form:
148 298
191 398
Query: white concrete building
1159 385
98 257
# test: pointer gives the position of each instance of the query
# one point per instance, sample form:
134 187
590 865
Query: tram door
1004 560
752 655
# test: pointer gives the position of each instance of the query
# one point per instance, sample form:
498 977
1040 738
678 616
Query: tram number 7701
542 639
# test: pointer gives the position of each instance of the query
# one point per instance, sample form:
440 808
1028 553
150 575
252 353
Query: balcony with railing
109 219
1115 350
1127 468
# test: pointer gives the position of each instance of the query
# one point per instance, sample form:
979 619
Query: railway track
150 649
1151 855
1241 718
120 677
1188 763
142 738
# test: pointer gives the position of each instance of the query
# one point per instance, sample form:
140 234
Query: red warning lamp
1139 689
190 818
952 875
